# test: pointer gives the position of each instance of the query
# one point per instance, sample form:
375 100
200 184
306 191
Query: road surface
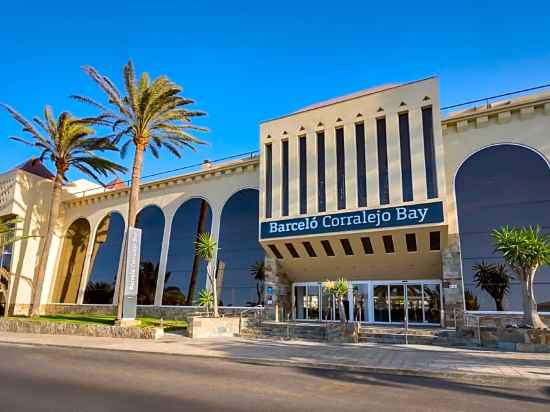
56 379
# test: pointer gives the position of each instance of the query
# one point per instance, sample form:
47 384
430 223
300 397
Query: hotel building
377 187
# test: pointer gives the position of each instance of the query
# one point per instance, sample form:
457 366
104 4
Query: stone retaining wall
203 327
59 328
331 332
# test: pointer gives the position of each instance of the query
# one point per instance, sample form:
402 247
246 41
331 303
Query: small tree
258 271
494 280
206 300
525 250
206 248
470 300
339 289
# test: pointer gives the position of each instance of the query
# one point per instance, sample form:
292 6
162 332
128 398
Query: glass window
432 303
268 181
306 301
497 186
381 303
303 174
300 302
361 302
429 152
313 302
340 168
240 252
327 247
360 148
405 143
105 260
285 178
388 244
367 246
71 262
435 240
410 239
397 303
185 270
7 250
321 194
309 249
275 251
383 184
151 221
414 298
292 250
346 245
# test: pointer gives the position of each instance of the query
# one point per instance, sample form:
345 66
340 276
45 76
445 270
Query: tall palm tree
148 115
494 280
68 142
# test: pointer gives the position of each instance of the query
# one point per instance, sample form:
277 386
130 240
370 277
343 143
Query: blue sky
244 62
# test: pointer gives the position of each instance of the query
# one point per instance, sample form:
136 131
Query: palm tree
339 289
494 280
206 248
68 142
525 250
150 115
258 271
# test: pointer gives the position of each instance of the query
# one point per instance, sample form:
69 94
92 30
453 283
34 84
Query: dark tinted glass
268 181
71 262
346 245
435 241
501 185
327 247
240 250
411 242
151 221
429 152
321 194
285 178
384 189
303 175
360 148
388 244
405 142
105 260
309 249
340 168
186 271
367 246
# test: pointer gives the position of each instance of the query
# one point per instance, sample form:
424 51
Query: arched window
240 251
498 186
151 221
186 272
71 262
105 260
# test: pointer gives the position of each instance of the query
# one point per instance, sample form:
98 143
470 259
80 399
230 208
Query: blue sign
409 215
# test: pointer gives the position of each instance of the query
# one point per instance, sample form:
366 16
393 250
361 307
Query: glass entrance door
397 304
361 302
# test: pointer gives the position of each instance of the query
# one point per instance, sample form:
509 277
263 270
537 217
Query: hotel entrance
391 302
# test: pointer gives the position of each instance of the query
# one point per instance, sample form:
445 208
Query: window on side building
285 178
321 194
268 180
303 174
340 168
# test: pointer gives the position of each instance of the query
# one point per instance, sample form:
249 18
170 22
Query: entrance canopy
398 254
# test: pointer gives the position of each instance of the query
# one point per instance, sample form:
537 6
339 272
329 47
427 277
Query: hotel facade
378 187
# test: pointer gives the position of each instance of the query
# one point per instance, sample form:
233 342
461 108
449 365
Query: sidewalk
486 367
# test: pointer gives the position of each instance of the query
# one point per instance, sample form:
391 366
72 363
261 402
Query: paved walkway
457 363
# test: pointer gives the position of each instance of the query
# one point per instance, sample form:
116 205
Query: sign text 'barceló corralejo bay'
409 215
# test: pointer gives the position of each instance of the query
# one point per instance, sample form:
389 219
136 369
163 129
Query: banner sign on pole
129 308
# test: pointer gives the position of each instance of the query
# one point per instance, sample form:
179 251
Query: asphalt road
55 379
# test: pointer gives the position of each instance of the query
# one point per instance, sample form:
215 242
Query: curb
461 377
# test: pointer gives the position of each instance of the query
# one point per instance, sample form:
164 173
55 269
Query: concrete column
159 291
215 234
394 158
453 297
330 169
350 151
293 176
277 291
418 165
373 195
311 145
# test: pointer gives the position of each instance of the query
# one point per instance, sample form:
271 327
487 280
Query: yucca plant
339 289
206 248
68 142
148 115
206 300
494 280
525 249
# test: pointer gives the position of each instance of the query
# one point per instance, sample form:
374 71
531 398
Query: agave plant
68 142
206 300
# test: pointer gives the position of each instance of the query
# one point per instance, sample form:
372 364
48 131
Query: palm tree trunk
214 286
531 316
498 303
341 310
197 259
133 204
43 261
